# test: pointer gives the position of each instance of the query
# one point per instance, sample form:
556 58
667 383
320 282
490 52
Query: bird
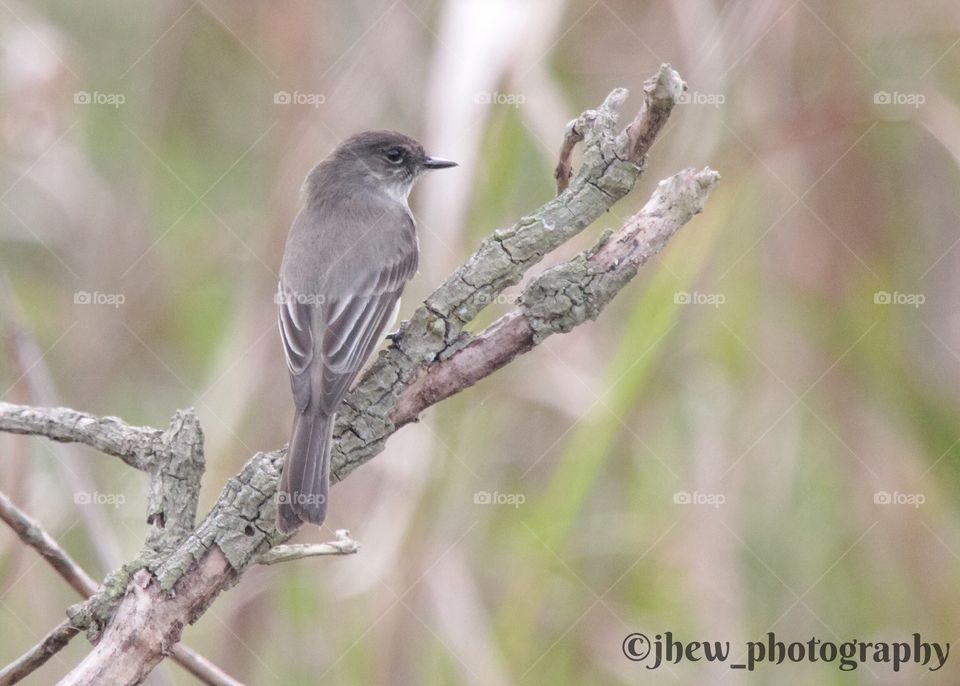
349 253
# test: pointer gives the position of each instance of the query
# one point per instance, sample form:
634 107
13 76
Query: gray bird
350 252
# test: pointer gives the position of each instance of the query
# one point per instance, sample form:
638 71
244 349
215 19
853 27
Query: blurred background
760 434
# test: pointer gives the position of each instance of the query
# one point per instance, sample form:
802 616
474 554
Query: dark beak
438 163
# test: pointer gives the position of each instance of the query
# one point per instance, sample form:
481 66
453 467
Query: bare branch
205 671
661 93
133 444
564 296
31 533
37 656
173 458
148 623
175 475
564 169
344 545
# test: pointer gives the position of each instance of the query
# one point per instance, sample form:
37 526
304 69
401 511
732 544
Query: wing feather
327 344
296 333
346 350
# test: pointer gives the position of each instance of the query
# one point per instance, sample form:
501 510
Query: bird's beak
438 163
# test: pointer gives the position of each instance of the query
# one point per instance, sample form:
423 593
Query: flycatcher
350 252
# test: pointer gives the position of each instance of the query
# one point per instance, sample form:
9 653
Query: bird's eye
394 156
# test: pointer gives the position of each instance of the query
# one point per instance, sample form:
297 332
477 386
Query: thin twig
564 169
205 671
35 658
31 533
660 94
344 545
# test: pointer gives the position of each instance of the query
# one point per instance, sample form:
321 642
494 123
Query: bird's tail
306 472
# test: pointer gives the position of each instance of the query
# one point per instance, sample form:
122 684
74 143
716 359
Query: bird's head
389 158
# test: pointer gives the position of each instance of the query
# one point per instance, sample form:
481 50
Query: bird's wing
348 326
295 319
